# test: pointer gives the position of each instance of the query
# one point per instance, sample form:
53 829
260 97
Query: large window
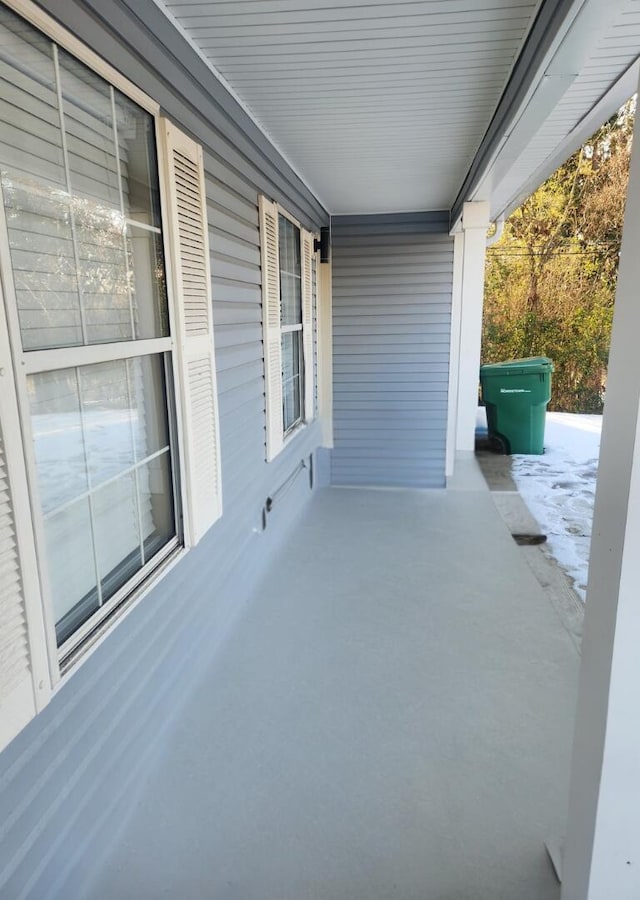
115 384
288 290
82 224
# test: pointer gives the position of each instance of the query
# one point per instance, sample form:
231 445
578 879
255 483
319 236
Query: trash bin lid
532 365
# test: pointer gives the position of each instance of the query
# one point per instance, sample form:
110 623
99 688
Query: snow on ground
559 488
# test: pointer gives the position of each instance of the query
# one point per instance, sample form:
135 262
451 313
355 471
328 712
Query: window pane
56 425
138 166
104 474
148 285
90 135
44 265
71 567
33 178
108 414
104 275
117 533
290 272
149 421
291 356
124 414
30 139
72 178
156 504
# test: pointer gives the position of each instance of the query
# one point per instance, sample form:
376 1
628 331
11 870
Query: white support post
472 248
602 855
454 351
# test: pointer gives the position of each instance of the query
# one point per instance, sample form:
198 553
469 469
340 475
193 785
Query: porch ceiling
379 106
410 105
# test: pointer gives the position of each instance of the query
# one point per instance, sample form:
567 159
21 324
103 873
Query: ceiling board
379 106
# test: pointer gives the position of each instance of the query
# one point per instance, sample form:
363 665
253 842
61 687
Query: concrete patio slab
392 717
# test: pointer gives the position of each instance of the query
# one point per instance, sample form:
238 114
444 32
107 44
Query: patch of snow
64 447
559 489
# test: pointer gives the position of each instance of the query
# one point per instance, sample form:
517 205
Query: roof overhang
379 105
585 67
393 107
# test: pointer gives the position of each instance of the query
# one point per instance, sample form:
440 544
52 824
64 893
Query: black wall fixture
323 245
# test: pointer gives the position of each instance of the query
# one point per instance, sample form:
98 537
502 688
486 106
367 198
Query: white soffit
380 107
606 78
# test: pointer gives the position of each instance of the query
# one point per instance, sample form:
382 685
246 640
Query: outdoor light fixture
323 245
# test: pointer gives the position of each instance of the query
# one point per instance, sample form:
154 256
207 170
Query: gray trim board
618 94
388 224
545 29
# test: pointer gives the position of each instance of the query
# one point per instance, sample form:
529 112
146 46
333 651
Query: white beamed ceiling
380 107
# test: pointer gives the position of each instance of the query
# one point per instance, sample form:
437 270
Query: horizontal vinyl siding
71 776
391 332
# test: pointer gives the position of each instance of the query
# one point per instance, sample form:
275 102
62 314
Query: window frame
300 422
307 364
63 659
298 328
69 647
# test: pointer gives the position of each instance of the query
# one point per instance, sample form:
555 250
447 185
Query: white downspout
495 237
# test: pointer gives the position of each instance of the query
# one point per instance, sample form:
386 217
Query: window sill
80 654
293 431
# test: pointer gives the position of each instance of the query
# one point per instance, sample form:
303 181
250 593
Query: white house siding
69 776
392 283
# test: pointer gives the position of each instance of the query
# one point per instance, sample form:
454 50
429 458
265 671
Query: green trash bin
516 394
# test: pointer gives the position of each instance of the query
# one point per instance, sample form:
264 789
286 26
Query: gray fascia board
427 222
619 93
549 21
147 33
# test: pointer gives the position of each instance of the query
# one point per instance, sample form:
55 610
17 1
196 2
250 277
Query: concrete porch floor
392 717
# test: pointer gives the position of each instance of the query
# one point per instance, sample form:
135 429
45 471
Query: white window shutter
191 278
271 326
25 684
306 256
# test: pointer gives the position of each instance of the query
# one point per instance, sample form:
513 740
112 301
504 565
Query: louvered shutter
24 671
271 326
191 277
306 256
